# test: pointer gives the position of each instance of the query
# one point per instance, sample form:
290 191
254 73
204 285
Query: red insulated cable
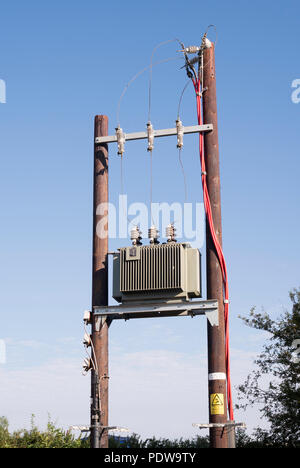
221 258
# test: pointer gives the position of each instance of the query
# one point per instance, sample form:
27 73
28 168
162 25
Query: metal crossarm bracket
157 133
220 425
161 309
101 428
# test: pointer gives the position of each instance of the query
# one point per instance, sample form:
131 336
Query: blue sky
63 63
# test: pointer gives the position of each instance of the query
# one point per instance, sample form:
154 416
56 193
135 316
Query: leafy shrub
52 437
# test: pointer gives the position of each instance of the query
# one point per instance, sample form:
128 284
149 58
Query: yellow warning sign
217 403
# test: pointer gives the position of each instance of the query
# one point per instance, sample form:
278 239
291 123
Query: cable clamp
150 134
104 376
204 173
200 93
226 301
179 128
206 43
121 140
191 50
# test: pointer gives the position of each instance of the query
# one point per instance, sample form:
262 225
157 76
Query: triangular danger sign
217 403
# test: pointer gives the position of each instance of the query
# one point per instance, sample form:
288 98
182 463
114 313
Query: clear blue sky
64 62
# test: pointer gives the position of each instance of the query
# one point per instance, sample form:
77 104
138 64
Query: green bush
135 441
52 437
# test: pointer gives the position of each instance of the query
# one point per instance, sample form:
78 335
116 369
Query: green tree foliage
52 437
279 399
135 441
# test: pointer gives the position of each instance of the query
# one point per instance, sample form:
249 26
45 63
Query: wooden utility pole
99 383
216 335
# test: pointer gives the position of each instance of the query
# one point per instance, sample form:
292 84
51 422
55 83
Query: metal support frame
228 424
160 309
107 428
157 133
226 429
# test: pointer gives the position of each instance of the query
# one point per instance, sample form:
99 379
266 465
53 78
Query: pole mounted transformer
164 279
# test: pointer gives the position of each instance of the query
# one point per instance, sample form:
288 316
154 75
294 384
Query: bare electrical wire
181 96
122 188
96 370
122 175
203 66
136 76
151 186
150 73
150 67
149 112
198 85
180 149
216 32
94 364
183 173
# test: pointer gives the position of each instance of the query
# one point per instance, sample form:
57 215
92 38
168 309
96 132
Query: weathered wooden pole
99 383
216 335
